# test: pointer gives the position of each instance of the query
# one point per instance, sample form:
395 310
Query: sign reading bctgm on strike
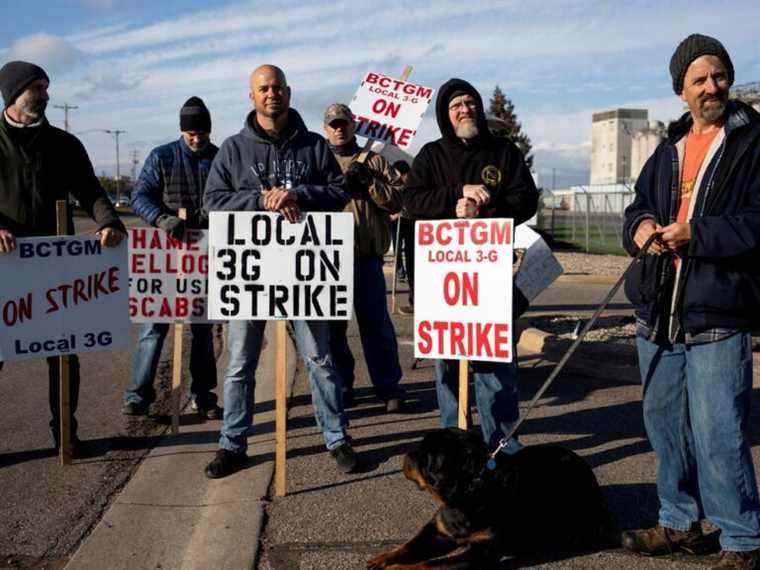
463 289
389 110
167 277
264 267
62 295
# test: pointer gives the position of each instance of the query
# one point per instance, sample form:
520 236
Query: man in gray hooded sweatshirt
275 164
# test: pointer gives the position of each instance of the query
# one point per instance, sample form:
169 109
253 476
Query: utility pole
116 133
66 108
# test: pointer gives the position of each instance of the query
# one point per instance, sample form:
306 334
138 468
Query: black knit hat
194 116
15 76
693 47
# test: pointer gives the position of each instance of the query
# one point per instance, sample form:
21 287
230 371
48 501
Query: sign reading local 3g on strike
62 295
263 267
463 282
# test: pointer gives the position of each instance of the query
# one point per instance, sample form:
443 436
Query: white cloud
53 53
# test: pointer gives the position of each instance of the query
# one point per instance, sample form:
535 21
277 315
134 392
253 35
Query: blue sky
130 64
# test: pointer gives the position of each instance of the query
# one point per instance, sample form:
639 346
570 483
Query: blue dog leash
491 463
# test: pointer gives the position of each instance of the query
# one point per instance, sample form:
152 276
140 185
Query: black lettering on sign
229 261
250 270
261 229
231 239
254 289
338 301
305 265
228 297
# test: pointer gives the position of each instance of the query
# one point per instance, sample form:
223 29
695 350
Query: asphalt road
46 509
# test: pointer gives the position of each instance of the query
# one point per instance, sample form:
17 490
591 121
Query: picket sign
61 211
263 267
463 306
177 361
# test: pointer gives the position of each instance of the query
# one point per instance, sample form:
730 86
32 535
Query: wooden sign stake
64 435
179 330
281 418
463 394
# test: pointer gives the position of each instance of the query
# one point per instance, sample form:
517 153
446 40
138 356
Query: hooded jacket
718 286
173 177
250 162
34 175
371 213
443 166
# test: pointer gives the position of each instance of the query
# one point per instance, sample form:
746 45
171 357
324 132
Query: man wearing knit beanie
699 197
173 178
41 165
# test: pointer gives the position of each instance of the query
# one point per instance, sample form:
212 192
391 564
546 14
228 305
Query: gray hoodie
251 161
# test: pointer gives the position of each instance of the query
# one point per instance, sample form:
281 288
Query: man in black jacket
469 173
696 296
41 165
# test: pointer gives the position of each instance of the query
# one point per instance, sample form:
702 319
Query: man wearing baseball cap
375 190
42 164
696 296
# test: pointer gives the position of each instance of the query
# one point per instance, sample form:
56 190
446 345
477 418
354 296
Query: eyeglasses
470 104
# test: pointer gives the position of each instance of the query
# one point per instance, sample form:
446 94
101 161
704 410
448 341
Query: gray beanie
693 47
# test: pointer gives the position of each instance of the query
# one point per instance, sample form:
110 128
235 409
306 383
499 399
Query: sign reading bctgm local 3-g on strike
463 289
263 267
389 110
62 295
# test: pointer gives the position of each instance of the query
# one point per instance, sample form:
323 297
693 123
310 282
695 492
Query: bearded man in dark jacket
696 295
39 165
275 164
469 173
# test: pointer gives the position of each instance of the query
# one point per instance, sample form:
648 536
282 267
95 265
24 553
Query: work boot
345 457
749 560
212 412
133 409
225 463
79 449
406 309
664 540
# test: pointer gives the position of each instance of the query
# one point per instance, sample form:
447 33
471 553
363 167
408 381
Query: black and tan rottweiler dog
543 498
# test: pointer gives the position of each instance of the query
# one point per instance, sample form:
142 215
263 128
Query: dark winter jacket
442 167
45 168
251 161
173 177
719 284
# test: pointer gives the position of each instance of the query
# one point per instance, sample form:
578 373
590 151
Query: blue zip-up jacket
250 162
719 286
173 177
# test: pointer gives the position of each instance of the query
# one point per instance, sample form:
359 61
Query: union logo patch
491 176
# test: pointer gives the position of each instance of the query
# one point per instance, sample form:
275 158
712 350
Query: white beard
466 130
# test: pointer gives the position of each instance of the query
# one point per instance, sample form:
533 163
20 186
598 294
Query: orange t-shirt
697 146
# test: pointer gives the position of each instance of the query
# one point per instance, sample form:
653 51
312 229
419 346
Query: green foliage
502 108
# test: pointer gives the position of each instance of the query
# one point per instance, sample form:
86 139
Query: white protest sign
389 110
264 267
463 289
62 295
167 277
539 267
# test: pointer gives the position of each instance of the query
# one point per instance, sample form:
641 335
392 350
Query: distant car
122 203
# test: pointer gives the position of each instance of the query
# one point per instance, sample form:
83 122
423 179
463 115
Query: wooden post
64 428
281 442
179 330
396 254
464 404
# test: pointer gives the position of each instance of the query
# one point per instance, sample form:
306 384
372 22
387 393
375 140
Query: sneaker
134 409
664 540
345 457
394 405
225 463
212 412
749 560
406 309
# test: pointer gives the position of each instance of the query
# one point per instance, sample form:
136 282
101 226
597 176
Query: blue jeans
375 328
148 352
244 339
495 394
696 407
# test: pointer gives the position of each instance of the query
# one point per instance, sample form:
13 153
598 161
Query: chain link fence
588 217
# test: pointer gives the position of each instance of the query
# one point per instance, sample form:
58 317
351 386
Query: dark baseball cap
338 111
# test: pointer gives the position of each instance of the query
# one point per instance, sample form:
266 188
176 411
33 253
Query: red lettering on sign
424 233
